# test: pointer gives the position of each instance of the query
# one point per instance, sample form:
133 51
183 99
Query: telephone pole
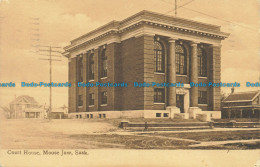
175 8
50 50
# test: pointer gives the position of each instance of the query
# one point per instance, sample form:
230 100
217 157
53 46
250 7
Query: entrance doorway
180 102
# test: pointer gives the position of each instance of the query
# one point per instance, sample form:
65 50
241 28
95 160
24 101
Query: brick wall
132 61
148 71
118 77
73 88
215 76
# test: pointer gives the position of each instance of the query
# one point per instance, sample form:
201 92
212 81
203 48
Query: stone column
171 91
194 74
171 73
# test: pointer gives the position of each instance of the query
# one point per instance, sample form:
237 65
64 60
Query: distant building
241 105
146 47
26 107
59 113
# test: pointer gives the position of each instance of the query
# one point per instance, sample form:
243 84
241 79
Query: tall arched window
80 68
91 67
158 57
104 63
202 62
181 59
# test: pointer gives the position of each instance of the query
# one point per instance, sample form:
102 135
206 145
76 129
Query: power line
182 6
179 6
218 18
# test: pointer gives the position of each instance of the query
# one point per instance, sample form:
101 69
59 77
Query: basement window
158 115
165 114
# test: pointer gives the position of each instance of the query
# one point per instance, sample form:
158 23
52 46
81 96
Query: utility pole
175 8
50 50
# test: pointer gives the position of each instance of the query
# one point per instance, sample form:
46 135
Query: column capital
194 43
172 40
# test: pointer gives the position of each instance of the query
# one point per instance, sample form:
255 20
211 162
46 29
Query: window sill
178 75
91 80
159 73
203 77
80 106
203 104
91 106
104 78
158 103
103 105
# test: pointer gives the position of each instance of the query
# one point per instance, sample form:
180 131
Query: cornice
219 36
148 19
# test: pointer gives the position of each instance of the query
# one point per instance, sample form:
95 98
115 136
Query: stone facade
129 49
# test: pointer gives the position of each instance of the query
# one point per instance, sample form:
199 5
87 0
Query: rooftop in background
25 99
241 96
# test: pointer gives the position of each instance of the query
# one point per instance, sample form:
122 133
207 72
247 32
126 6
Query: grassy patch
136 142
238 120
214 136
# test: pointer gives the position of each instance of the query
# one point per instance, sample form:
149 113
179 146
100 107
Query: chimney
232 90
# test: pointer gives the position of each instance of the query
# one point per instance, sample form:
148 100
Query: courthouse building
146 47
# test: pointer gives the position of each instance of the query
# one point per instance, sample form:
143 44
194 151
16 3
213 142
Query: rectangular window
159 95
91 67
91 115
165 114
91 99
202 97
158 115
80 101
100 115
80 68
87 115
104 115
104 98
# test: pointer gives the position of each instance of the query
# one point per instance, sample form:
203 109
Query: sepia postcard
120 83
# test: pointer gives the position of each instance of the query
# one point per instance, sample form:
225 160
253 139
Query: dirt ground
94 134
49 134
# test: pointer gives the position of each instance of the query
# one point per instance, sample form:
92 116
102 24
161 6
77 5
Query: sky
26 23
